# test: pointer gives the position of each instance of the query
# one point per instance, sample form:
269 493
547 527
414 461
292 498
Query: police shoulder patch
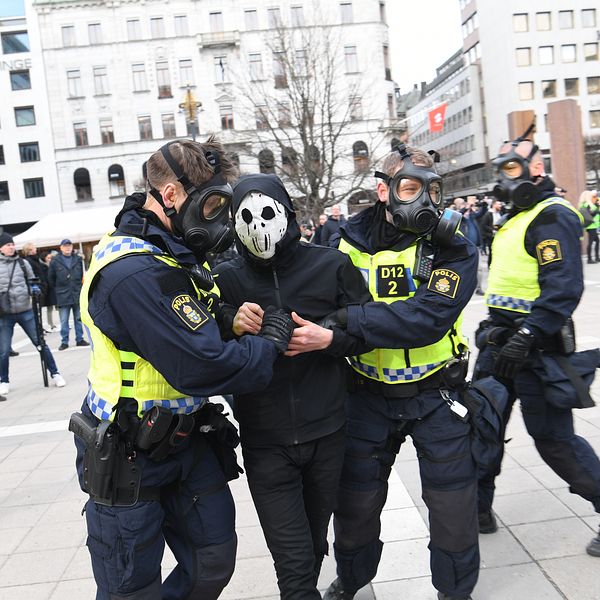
548 251
189 311
444 282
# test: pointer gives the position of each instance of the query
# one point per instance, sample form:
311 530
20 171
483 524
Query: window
382 14
565 19
595 118
235 158
590 51
145 127
386 63
186 71
68 35
346 12
168 125
138 71
24 116
20 80
100 81
284 116
95 33
546 55
390 104
297 16
520 22
4 194
526 90
2 162
251 17
29 152
568 53
260 116
356 113
74 84
15 42
256 67
163 79
523 57
226 112
81 136
157 27
351 59
549 88
543 21
83 186
300 65
593 85
34 188
116 181
572 87
107 135
134 30
181 25
266 161
279 70
588 17
221 74
274 17
289 160
216 21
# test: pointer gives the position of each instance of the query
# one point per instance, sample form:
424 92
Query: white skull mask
260 222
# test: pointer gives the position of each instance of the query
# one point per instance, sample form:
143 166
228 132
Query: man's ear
169 194
382 192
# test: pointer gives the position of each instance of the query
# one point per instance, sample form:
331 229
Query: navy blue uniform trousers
195 517
376 428
568 455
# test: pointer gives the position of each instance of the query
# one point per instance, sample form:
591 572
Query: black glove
277 326
514 353
338 318
489 334
212 419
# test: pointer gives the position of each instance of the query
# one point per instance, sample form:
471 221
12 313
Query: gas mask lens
511 169
214 205
408 189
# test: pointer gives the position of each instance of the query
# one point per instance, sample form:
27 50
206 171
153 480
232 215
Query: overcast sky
423 34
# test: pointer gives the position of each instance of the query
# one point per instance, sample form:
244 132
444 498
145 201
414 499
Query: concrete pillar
567 147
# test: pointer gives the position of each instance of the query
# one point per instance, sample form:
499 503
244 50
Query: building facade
28 183
126 76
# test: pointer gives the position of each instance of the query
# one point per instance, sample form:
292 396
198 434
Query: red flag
436 118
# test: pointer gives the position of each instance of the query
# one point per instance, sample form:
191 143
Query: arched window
289 160
266 161
83 187
360 153
116 181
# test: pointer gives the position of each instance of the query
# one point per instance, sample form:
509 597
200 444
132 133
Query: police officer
422 272
151 474
535 283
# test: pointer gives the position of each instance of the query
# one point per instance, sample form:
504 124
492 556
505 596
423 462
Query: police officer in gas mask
421 273
292 431
152 453
535 283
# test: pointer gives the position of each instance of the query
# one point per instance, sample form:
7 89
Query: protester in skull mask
401 388
535 284
292 432
156 355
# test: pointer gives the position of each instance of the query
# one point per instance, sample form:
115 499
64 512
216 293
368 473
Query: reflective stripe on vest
513 279
115 373
390 365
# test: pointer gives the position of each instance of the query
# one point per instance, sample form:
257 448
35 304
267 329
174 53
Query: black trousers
294 489
592 241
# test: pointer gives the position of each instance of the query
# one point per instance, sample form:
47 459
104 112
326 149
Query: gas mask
415 201
260 222
203 219
515 183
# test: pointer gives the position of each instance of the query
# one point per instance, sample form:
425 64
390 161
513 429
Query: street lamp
190 107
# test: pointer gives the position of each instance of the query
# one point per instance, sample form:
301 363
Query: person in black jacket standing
292 432
65 275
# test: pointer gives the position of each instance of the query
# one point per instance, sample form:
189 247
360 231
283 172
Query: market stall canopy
79 226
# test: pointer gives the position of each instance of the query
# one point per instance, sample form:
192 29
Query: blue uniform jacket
428 315
131 304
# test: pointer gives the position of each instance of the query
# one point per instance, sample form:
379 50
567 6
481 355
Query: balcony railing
219 38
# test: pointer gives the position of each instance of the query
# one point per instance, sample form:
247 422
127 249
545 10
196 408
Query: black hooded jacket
305 399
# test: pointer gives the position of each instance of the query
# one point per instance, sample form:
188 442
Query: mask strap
157 196
383 176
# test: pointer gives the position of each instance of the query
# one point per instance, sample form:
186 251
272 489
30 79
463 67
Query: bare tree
308 118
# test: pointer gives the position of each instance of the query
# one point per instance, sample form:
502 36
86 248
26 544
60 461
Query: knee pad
214 568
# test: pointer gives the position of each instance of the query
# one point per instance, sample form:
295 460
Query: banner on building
436 118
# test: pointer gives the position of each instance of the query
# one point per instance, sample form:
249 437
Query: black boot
336 591
487 522
593 548
442 596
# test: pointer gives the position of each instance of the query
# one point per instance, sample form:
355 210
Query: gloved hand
496 336
212 419
338 318
36 290
513 354
277 326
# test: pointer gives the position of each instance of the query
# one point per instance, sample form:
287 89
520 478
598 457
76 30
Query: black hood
272 186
